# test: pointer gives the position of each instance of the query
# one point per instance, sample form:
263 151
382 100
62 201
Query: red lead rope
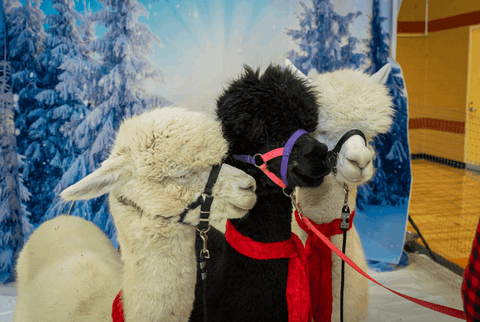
436 307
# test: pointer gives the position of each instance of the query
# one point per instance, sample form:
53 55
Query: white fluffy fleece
349 99
352 99
160 162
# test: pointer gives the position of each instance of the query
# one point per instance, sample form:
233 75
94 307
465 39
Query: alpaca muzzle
332 156
260 160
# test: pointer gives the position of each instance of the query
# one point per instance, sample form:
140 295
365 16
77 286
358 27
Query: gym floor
444 205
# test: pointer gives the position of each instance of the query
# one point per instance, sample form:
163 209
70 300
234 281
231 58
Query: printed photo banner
82 67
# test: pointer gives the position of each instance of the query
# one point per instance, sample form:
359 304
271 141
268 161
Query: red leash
436 307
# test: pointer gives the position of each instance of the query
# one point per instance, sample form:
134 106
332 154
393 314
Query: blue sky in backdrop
204 43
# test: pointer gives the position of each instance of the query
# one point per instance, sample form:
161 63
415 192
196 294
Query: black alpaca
259 114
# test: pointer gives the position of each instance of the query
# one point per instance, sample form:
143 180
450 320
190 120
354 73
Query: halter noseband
260 160
205 200
332 156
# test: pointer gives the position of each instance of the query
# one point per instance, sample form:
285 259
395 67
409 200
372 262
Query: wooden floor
445 205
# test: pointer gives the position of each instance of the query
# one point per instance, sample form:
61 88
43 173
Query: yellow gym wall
435 68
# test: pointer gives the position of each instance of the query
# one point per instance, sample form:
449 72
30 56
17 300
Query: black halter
205 200
332 156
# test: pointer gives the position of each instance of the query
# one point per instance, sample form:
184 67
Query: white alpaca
160 162
349 99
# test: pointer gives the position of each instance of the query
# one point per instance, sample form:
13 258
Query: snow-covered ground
422 279
8 294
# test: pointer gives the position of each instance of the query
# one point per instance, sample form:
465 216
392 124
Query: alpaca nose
315 150
248 185
360 161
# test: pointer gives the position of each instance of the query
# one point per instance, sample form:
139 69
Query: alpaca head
259 113
351 99
159 164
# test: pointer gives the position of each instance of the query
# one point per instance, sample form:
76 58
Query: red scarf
298 293
320 266
117 308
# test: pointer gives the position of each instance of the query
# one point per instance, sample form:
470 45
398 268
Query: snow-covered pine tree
377 44
14 222
324 39
120 93
79 73
45 145
392 148
26 39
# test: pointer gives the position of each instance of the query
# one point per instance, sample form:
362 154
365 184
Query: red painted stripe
465 19
436 124
410 27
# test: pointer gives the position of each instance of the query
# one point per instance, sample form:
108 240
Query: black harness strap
191 206
203 227
332 156
207 192
205 200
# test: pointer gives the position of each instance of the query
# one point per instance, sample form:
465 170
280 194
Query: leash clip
293 197
203 235
344 225
345 189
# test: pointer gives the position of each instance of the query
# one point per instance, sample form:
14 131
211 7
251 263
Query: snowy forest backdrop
78 68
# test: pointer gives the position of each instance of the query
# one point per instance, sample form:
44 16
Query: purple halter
284 152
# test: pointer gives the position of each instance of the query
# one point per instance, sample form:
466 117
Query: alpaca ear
382 75
289 64
109 176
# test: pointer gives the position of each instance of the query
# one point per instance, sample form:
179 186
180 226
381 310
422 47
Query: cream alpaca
349 99
160 162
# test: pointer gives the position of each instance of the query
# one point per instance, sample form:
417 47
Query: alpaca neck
269 220
159 274
323 204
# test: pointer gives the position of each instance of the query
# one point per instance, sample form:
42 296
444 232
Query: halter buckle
255 160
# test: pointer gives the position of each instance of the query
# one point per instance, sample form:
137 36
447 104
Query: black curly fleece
259 113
